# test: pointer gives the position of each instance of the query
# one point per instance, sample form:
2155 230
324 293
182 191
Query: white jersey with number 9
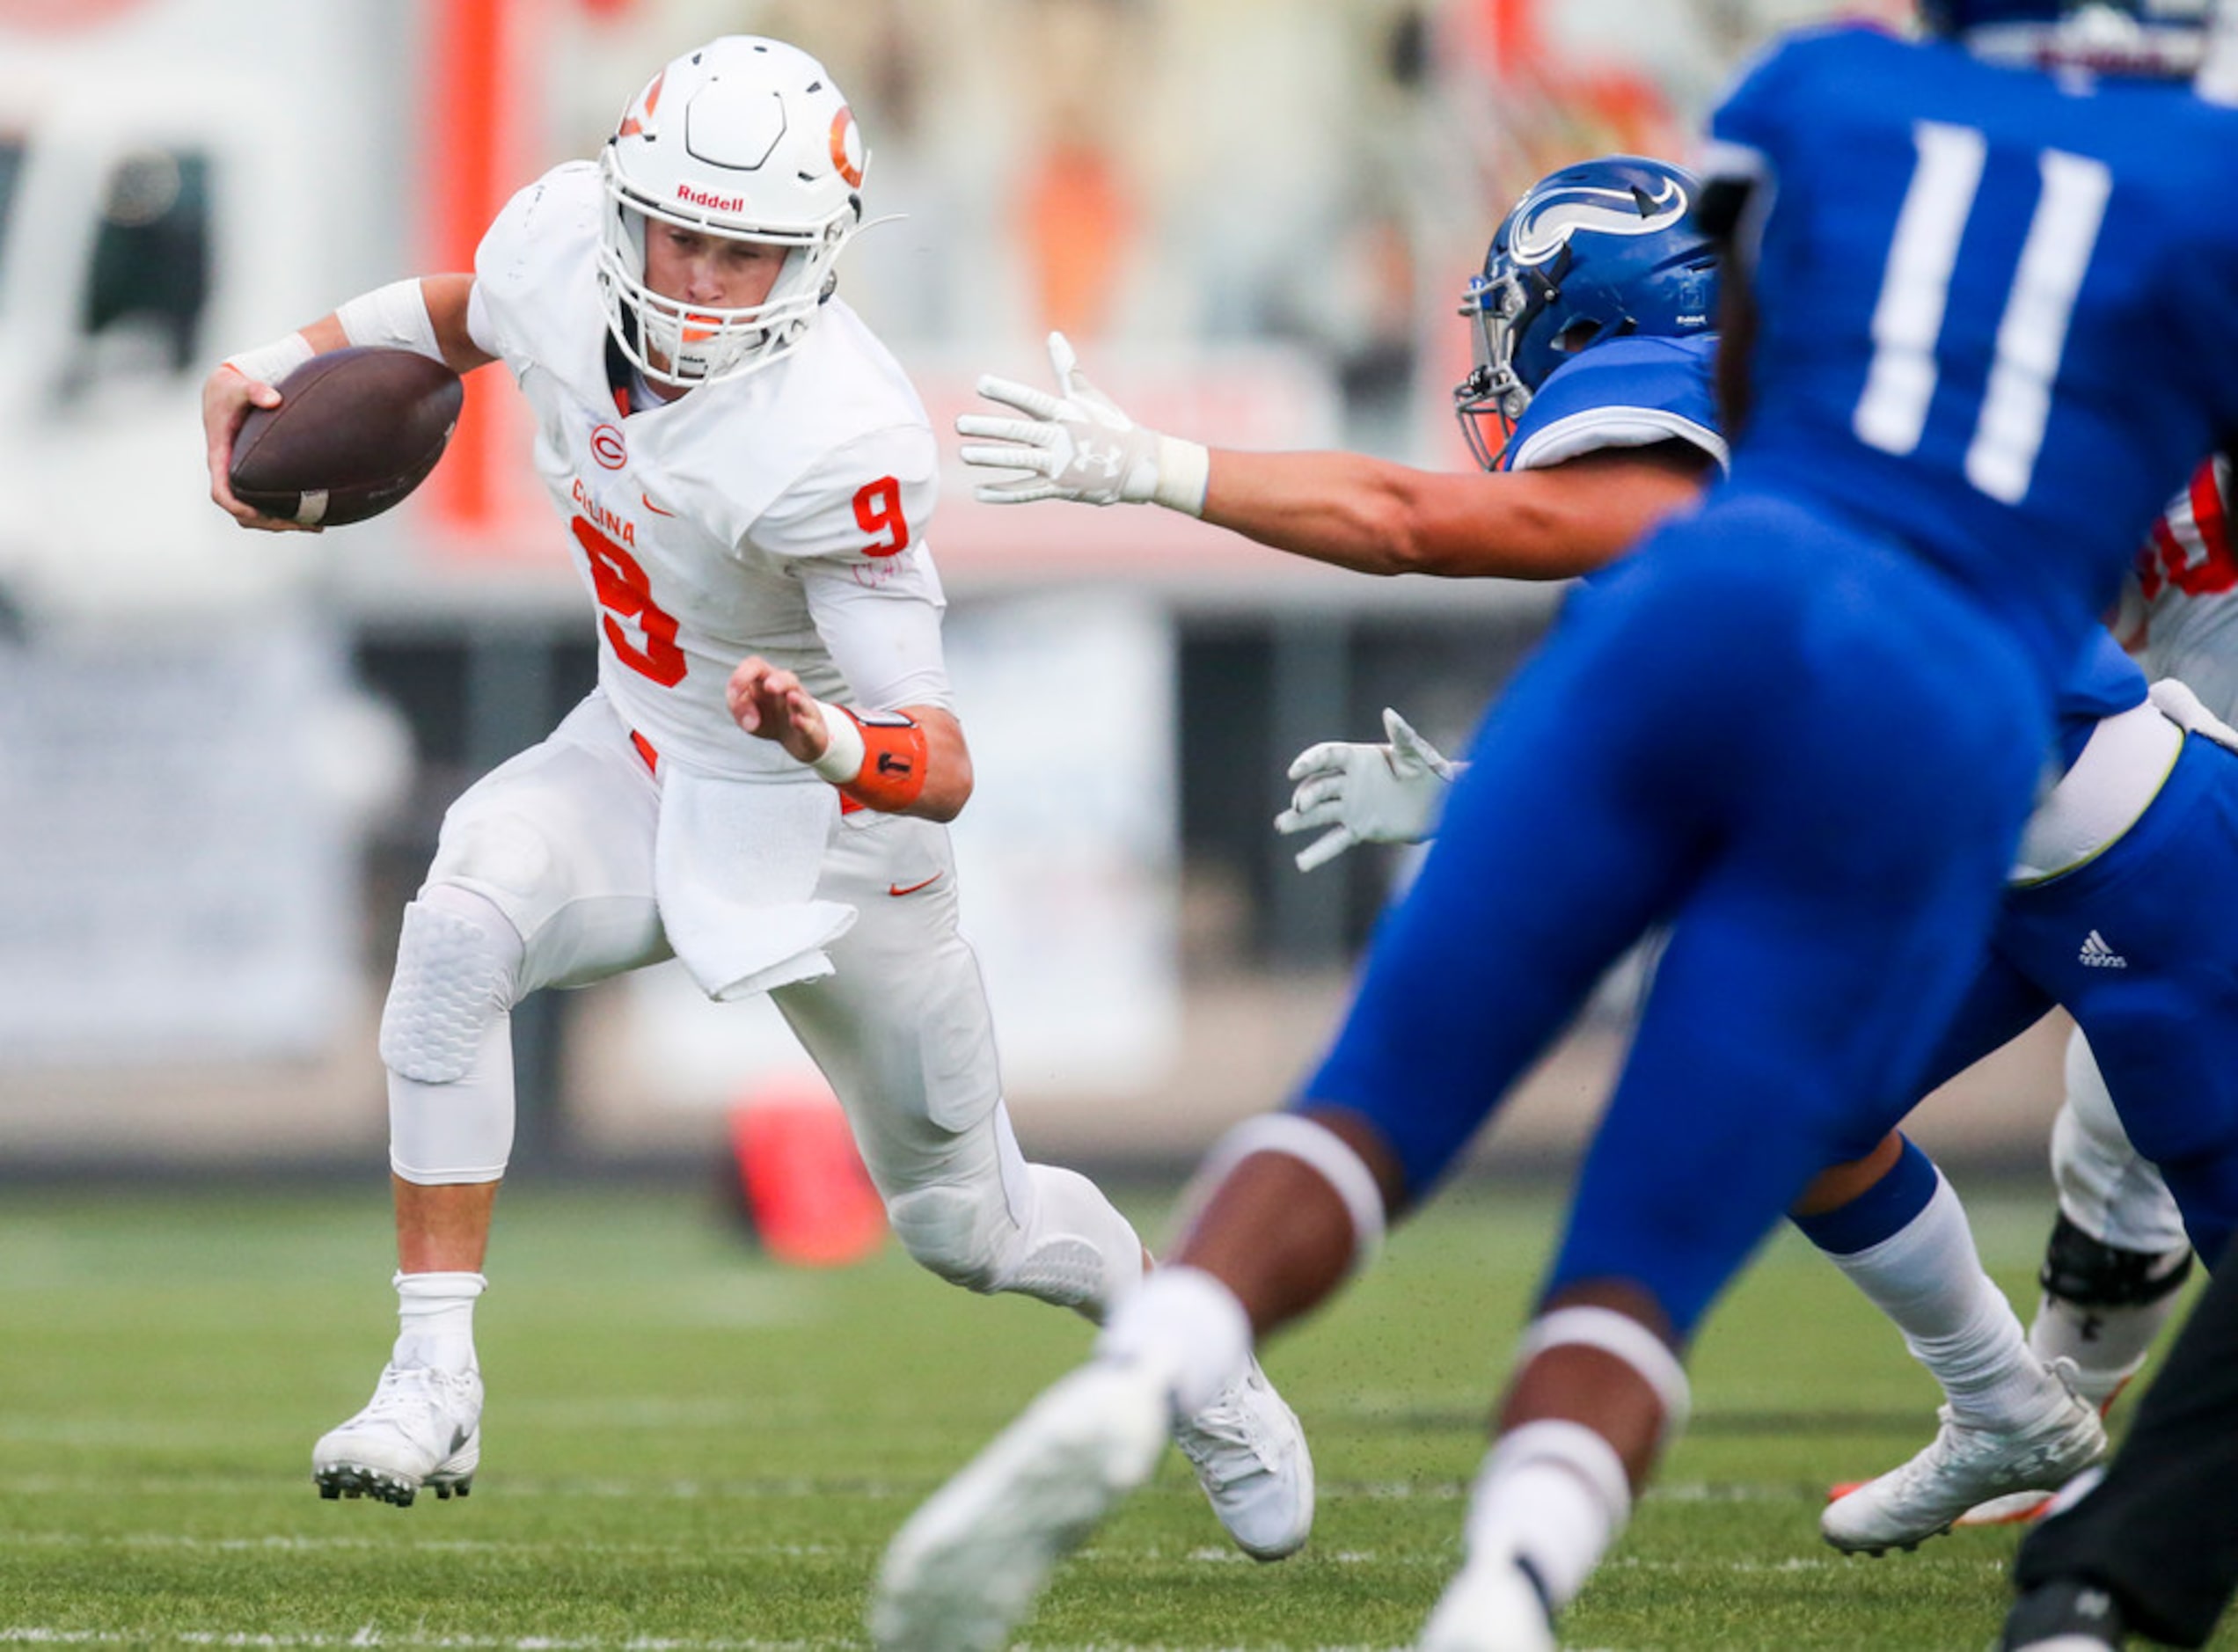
752 515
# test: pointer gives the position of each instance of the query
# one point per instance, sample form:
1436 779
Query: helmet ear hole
1576 336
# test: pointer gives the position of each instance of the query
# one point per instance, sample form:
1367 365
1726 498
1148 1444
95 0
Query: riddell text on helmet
711 202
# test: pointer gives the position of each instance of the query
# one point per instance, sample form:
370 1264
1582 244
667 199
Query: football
356 430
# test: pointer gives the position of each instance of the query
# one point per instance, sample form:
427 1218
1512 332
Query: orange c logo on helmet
634 122
846 147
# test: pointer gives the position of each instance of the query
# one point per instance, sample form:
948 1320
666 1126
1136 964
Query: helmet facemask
1502 306
680 344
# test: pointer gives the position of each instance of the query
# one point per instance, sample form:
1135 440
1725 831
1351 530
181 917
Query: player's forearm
1374 516
910 761
1339 509
947 765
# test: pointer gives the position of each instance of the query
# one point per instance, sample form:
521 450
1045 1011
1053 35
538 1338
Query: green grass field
689 1447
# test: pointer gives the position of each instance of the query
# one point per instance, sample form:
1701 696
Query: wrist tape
1184 471
877 758
269 363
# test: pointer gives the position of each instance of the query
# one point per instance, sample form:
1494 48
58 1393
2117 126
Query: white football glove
1077 444
2176 701
1368 795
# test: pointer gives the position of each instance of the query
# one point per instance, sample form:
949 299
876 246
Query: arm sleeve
881 625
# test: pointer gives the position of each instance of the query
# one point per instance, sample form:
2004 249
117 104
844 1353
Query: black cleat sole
354 1481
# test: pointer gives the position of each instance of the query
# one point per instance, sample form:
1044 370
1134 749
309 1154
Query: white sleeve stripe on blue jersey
1722 160
1598 427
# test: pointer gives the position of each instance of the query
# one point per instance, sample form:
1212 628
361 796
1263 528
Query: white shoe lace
1226 1429
425 1405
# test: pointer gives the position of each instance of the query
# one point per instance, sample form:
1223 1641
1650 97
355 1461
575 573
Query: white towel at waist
735 868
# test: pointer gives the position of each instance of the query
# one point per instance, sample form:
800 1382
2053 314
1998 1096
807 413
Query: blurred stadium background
223 759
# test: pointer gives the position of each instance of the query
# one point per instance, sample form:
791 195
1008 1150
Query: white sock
1554 1494
435 1321
1927 1278
1187 1326
2108 1345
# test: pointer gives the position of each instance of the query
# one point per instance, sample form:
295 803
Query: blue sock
1882 1210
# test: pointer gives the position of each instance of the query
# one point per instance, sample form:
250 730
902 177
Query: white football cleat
1252 1461
1961 1468
1492 1605
421 1428
965 1568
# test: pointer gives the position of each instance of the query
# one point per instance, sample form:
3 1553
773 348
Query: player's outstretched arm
910 761
1366 794
427 314
1377 517
1343 509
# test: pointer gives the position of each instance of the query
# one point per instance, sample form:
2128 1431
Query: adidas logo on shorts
2099 955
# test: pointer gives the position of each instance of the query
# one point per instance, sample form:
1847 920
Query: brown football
354 432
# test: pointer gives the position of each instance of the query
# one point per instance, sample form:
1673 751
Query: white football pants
2106 1187
560 840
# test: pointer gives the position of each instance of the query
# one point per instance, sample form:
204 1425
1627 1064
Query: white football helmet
746 138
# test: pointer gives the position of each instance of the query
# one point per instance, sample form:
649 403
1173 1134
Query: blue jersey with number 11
1998 323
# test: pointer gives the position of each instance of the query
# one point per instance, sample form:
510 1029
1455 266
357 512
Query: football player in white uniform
746 475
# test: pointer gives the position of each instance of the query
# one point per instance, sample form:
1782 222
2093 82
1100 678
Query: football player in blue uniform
1589 319
1801 726
1889 1220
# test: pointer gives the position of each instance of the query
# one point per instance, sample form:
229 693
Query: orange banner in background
469 130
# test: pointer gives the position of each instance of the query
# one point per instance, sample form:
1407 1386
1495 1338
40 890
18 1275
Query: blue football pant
2163 1020
1810 753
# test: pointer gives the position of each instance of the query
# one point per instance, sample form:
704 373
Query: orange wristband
892 774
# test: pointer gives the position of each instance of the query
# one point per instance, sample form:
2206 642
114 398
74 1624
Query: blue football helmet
1602 250
2146 36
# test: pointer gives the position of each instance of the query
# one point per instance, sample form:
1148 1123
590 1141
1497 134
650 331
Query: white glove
1076 445
1369 794
2176 701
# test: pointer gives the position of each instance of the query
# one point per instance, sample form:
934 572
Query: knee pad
1074 1251
457 966
2091 1273
959 1230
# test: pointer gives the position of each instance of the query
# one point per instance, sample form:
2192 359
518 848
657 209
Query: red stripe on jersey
2208 512
2161 557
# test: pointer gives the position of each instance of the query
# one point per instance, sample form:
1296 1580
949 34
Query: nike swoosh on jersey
896 888
650 506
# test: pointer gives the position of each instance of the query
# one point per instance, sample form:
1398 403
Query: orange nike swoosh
650 506
896 888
